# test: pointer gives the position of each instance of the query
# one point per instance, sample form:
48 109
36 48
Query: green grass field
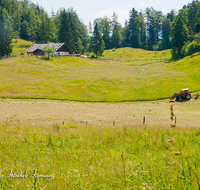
89 157
20 46
153 157
124 74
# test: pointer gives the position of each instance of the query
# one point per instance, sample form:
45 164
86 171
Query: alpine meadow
96 107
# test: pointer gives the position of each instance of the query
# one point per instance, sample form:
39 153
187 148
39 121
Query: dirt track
47 113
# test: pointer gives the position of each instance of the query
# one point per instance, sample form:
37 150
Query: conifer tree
97 43
179 36
191 15
116 32
106 30
166 30
5 33
143 31
134 29
197 22
125 35
64 27
154 20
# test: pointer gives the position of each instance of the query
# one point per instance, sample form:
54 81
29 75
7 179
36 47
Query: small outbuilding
37 49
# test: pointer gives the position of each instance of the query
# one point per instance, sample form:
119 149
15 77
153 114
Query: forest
149 29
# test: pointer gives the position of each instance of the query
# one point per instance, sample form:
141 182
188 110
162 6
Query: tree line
149 29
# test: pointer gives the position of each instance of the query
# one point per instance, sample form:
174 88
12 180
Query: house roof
55 46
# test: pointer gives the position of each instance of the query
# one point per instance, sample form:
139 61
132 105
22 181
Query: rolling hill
124 74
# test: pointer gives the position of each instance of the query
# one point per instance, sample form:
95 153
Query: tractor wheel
178 98
188 96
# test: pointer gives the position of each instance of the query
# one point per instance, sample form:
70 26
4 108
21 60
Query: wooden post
144 120
173 117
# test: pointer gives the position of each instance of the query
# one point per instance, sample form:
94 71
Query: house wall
38 52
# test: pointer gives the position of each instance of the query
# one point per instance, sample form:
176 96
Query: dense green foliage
5 33
28 21
179 37
48 50
97 43
148 29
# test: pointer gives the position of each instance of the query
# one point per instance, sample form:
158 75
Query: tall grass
154 157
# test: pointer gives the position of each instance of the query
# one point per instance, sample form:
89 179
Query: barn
37 49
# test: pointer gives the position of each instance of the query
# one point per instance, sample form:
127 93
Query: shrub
93 56
192 48
183 50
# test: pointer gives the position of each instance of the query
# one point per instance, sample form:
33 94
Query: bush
192 48
93 56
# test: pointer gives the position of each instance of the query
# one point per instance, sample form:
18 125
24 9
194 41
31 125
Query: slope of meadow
125 74
20 46
135 55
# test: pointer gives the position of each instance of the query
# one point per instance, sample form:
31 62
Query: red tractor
184 94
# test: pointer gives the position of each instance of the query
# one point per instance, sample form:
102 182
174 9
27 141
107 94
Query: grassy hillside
135 55
125 74
20 46
74 157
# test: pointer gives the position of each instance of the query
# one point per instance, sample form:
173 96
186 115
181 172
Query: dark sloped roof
55 46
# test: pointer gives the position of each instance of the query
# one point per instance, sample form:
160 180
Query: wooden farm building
37 49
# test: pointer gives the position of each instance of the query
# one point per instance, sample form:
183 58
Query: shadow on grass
182 101
46 58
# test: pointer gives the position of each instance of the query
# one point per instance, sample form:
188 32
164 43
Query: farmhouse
37 49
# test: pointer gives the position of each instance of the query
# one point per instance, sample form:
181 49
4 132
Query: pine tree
166 30
191 15
134 29
64 27
125 35
171 15
24 6
6 32
97 43
90 28
32 26
154 20
116 32
106 30
143 31
42 28
197 21
179 36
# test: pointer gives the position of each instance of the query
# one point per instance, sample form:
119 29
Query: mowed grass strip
151 157
98 80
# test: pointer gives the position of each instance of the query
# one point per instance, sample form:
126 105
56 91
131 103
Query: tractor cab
184 91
